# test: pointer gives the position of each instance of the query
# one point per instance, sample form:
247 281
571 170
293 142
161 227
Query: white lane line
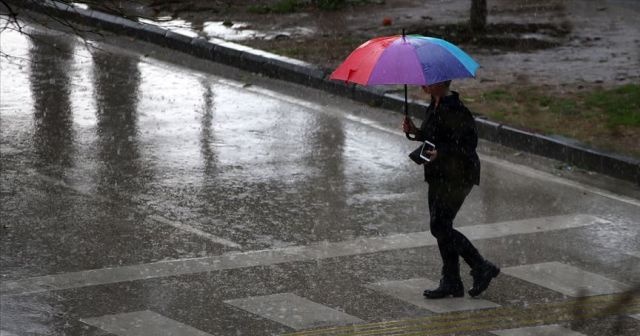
530 172
532 225
61 183
635 316
566 279
190 229
314 251
294 311
411 291
157 218
142 323
517 168
547 330
7 333
634 253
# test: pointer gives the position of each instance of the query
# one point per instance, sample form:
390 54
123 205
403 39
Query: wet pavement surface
142 197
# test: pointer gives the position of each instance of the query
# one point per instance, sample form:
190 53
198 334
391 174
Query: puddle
236 31
231 32
178 25
80 5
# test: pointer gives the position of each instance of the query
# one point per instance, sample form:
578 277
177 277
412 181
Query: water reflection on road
111 158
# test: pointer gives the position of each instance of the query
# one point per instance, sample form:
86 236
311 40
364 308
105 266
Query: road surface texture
148 193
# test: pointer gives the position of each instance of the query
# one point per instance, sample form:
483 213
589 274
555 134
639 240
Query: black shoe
447 288
482 276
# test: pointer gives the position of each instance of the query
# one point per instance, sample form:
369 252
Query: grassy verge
603 118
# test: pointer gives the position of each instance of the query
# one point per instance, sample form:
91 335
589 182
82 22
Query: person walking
453 170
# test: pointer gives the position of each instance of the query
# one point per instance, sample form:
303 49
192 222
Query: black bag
415 156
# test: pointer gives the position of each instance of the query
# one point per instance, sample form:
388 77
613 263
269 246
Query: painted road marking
517 168
634 253
547 330
635 316
142 323
501 318
548 177
316 251
190 229
7 333
532 225
293 311
411 291
566 279
157 218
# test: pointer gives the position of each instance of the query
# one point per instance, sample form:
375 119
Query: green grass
607 118
280 7
498 95
621 105
566 106
330 4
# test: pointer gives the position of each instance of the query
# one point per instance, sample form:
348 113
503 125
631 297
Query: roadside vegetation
607 118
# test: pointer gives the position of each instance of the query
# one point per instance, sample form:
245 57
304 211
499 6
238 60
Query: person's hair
446 84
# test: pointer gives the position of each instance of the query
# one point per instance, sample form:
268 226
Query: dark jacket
452 128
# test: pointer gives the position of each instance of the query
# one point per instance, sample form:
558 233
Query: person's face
438 89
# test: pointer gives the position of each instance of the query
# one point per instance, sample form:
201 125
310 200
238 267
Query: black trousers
445 199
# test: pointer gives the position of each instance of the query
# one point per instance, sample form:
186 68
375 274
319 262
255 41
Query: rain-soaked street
143 197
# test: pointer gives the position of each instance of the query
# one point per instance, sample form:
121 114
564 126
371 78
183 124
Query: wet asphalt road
144 170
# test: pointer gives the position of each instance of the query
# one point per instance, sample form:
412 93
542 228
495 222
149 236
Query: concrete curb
303 73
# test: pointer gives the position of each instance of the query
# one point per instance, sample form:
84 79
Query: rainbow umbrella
405 59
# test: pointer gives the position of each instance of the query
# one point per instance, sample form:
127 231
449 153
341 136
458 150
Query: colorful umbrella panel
411 59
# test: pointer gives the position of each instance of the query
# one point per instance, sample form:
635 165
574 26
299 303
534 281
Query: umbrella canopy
410 59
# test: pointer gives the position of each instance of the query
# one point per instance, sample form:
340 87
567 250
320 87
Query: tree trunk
478 20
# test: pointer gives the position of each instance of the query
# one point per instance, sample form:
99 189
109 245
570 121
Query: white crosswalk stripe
315 251
142 323
548 330
411 291
634 253
6 333
294 311
566 279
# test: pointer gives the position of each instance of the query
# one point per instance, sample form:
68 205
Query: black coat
452 128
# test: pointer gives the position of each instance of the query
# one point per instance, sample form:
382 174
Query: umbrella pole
406 107
406 104
406 111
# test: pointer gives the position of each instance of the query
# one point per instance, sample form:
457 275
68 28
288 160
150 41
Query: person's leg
445 201
441 219
482 270
449 201
440 225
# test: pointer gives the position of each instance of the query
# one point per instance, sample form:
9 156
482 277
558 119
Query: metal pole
406 104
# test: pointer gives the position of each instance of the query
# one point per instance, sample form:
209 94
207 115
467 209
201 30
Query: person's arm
410 128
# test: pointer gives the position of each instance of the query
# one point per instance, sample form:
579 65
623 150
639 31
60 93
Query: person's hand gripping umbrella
405 59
